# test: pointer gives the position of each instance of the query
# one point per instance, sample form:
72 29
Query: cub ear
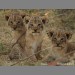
50 33
68 35
23 15
26 19
6 17
45 20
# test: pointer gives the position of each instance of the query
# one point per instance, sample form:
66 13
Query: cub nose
35 30
58 43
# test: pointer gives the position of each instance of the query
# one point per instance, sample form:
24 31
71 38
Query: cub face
59 38
35 24
15 20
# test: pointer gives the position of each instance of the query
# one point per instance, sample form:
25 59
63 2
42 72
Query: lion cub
34 36
61 45
15 21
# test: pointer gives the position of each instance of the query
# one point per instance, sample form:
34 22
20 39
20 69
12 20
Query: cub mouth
17 28
59 46
54 45
14 28
35 32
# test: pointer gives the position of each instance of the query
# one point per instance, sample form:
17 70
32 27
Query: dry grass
6 36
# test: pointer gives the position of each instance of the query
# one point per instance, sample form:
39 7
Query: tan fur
34 37
15 21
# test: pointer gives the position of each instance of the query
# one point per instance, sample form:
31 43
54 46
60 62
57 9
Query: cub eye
18 22
31 24
39 24
62 39
55 38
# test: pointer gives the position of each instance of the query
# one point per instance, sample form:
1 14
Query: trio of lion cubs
30 30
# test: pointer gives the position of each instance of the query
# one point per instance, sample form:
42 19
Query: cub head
15 20
59 38
35 24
